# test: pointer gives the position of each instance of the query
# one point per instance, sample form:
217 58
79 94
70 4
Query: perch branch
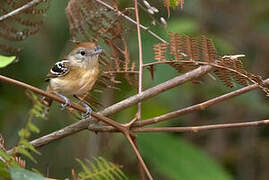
20 9
110 110
79 125
61 100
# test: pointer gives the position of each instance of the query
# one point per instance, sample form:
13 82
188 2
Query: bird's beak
98 50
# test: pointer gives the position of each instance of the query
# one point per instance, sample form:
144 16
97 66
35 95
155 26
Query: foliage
11 162
23 174
21 25
177 159
5 60
189 53
91 21
100 170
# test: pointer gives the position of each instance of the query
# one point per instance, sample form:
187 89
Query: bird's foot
67 102
88 113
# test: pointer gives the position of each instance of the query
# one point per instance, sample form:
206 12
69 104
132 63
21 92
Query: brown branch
131 20
139 157
59 99
195 129
71 129
200 106
184 111
156 90
20 9
140 61
81 124
140 166
112 109
119 106
129 102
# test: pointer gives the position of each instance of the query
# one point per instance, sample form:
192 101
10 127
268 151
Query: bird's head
84 52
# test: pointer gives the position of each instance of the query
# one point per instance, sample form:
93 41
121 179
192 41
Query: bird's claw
67 102
88 112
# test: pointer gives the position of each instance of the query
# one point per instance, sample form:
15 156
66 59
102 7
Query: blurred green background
236 27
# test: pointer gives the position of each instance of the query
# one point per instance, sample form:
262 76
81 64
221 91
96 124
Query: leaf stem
20 9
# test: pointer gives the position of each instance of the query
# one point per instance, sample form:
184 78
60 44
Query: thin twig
195 129
140 167
18 10
140 60
131 20
139 157
202 63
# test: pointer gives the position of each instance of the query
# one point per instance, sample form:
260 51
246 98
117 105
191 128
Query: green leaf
178 159
4 155
24 133
27 145
33 128
4 172
23 151
23 174
5 60
83 166
101 170
174 3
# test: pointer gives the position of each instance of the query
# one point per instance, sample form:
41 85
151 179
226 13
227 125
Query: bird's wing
60 68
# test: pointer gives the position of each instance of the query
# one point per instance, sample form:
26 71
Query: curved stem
140 60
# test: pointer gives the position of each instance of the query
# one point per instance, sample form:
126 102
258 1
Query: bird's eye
82 53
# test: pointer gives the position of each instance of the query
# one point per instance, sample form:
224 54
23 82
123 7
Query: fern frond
38 110
175 46
101 169
91 21
189 53
159 51
20 26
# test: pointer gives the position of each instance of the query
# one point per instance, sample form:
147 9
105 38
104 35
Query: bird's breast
75 83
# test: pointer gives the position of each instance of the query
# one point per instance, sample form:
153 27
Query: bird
74 75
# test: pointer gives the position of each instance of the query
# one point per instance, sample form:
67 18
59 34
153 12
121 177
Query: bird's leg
87 107
67 101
